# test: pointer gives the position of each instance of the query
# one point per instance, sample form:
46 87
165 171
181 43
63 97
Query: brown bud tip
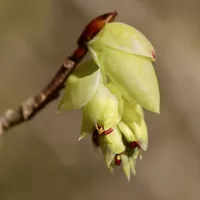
93 28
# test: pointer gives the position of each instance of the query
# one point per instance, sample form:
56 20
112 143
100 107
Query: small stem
30 107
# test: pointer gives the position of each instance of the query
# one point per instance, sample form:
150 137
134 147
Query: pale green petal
124 38
111 168
114 90
141 133
88 126
132 112
121 109
126 166
83 135
132 166
131 73
132 161
103 108
114 141
108 154
103 78
111 145
80 86
127 132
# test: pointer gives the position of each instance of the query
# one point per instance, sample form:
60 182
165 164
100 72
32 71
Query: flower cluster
112 89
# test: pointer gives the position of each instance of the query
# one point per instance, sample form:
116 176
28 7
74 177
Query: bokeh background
42 159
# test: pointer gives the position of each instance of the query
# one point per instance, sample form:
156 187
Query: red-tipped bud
95 26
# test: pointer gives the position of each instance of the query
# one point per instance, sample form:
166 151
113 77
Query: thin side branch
30 107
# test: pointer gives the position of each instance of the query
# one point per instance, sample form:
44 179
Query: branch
30 107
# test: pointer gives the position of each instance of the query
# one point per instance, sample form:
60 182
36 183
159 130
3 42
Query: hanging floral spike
112 89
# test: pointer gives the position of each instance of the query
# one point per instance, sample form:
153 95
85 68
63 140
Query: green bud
102 109
111 145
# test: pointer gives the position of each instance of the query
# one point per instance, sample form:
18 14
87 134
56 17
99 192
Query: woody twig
30 107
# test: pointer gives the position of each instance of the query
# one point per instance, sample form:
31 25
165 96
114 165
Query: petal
141 133
132 112
124 38
80 86
132 74
108 155
132 160
127 132
88 126
126 166
102 108
114 90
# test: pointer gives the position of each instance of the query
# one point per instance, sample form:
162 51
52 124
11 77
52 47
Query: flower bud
112 144
101 110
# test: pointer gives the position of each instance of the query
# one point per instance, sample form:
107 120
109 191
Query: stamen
110 130
97 127
101 130
134 145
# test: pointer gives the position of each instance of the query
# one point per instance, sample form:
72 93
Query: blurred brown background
42 159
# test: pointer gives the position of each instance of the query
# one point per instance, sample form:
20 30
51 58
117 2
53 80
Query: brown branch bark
30 107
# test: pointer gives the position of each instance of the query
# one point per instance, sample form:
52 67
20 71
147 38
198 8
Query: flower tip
83 135
153 55
144 146
112 15
80 138
58 111
155 108
126 166
61 107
